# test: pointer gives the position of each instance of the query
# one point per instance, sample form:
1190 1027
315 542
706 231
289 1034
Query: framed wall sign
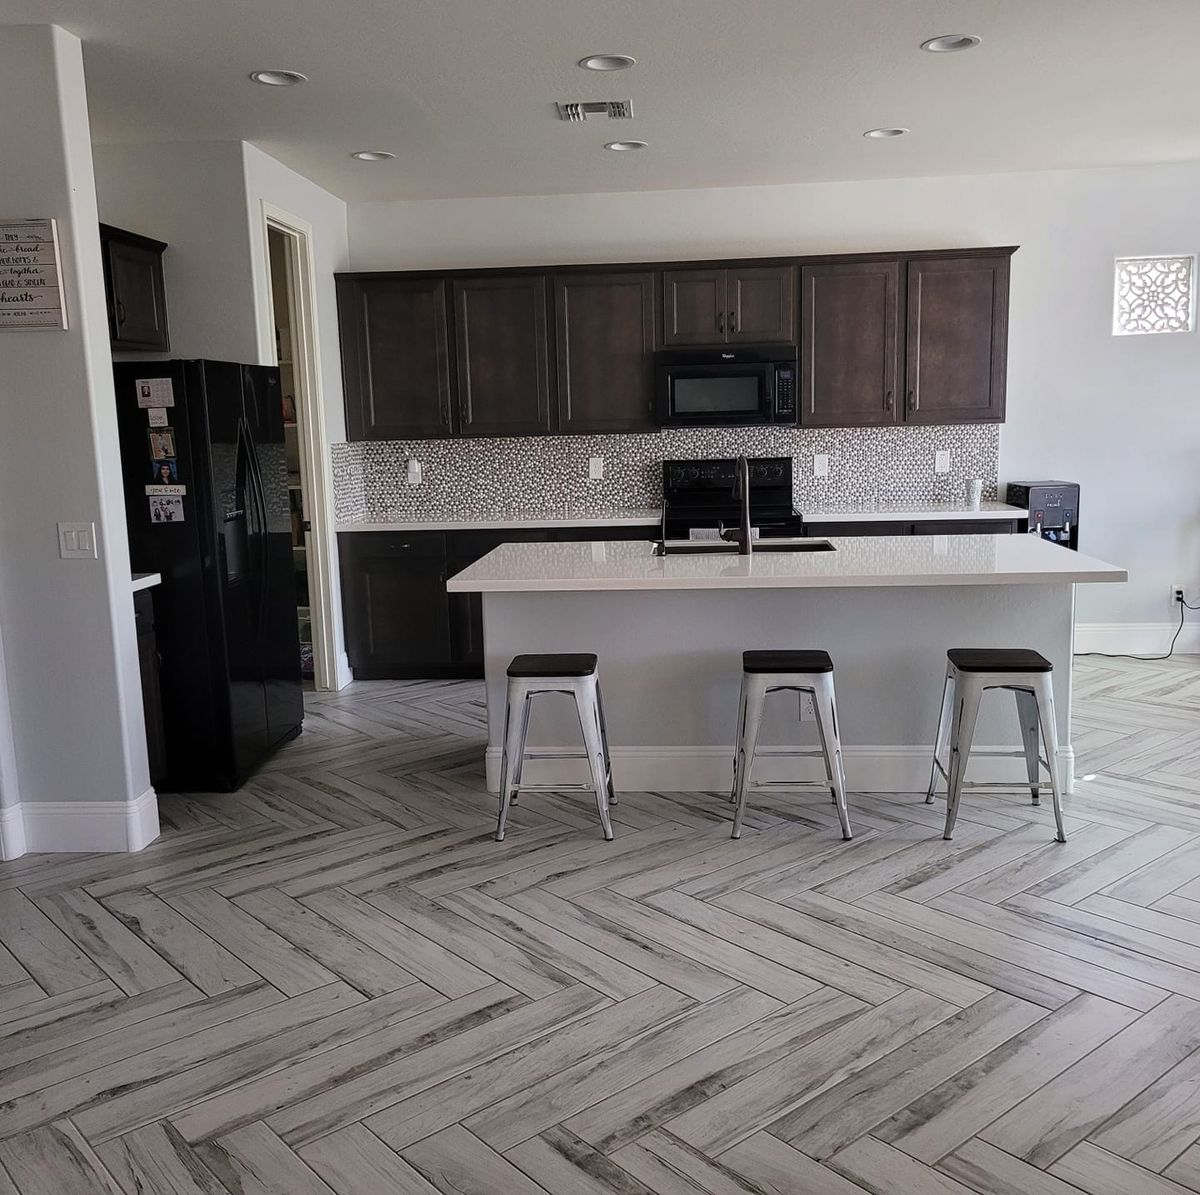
30 283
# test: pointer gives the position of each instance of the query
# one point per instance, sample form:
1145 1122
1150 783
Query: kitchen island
670 630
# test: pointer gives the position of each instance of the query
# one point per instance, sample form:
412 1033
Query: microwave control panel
785 392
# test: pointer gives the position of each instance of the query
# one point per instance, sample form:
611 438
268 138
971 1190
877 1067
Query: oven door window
709 396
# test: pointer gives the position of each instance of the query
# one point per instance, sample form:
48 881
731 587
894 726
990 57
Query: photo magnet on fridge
162 444
157 416
166 509
155 392
164 472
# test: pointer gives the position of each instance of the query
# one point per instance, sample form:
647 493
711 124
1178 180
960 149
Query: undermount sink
697 547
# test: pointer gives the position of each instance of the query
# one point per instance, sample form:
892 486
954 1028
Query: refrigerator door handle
260 494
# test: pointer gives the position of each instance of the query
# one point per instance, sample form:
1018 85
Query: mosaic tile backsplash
548 476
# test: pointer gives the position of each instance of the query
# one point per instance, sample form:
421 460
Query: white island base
669 634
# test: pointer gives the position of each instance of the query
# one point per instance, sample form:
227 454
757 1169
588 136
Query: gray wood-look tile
342 947
458 1163
353 1161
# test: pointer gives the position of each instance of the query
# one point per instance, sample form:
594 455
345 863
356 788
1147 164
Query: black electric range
701 495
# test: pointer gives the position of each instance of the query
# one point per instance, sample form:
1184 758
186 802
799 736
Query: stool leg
966 713
825 704
516 725
1044 695
943 728
612 792
755 697
738 736
1027 712
589 724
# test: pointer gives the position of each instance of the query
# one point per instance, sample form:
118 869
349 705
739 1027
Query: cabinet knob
733 321
721 321
914 402
887 401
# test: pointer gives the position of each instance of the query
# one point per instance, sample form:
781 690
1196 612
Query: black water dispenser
1053 509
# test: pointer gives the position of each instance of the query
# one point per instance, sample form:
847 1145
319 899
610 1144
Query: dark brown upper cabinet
850 344
738 305
502 355
957 341
395 357
605 337
135 291
762 305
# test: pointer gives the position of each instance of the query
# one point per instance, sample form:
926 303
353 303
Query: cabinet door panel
849 354
694 307
397 612
605 327
762 305
502 355
395 357
137 304
957 340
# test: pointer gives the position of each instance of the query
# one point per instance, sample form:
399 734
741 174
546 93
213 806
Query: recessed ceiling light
883 134
372 155
621 146
607 62
950 43
278 78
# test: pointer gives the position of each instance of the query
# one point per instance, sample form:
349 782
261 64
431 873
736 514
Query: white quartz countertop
900 512
829 512
145 581
625 518
864 562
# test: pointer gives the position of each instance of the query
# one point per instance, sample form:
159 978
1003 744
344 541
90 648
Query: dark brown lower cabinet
401 624
148 665
831 530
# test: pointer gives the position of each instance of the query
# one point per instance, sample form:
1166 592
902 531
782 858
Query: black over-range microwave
726 387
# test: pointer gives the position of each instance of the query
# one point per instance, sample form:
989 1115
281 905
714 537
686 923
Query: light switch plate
821 464
941 461
415 472
596 468
77 541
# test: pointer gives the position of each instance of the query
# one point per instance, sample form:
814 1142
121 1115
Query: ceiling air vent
577 111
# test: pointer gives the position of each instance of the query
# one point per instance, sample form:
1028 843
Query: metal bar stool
971 671
576 676
766 672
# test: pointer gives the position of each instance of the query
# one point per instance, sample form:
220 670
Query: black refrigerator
206 500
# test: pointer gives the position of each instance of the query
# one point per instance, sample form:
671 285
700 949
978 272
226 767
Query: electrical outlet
596 468
415 472
77 541
1177 595
941 461
808 712
821 464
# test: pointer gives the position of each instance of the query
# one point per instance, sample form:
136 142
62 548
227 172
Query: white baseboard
708 769
72 826
12 832
1137 638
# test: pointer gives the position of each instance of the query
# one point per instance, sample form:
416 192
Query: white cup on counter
975 492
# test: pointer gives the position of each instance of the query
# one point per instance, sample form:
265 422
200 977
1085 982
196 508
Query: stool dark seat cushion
998 659
565 664
786 661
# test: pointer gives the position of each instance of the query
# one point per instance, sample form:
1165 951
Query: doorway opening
292 301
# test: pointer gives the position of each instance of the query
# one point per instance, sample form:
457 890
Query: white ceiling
727 92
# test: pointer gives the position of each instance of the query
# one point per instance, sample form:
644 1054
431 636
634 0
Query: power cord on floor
1120 655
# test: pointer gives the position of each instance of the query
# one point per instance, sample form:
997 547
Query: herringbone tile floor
336 981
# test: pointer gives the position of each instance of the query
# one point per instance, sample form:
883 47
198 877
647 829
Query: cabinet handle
733 321
721 322
914 403
887 401
120 312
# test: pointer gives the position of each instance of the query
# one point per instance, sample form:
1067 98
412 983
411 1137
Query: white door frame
316 477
